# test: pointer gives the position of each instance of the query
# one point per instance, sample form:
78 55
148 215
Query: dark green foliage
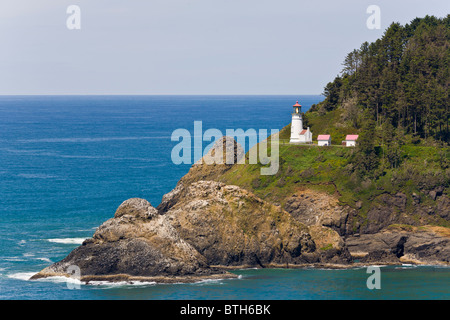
365 158
402 79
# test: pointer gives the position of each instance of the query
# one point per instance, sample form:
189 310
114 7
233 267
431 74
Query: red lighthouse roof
297 104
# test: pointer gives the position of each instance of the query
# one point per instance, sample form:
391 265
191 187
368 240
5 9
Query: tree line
400 82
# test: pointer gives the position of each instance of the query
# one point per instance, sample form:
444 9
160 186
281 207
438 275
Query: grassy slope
323 168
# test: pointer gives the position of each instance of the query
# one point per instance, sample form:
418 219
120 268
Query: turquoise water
67 163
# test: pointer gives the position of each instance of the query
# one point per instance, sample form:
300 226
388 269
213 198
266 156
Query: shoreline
224 273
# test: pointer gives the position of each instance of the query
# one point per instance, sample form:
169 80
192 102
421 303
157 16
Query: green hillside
332 170
400 81
403 143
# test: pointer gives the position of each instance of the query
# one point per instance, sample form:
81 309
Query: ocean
68 162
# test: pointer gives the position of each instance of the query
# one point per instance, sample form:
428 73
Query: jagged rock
204 226
416 198
231 226
408 244
443 207
136 243
433 195
135 207
220 158
315 208
224 151
399 248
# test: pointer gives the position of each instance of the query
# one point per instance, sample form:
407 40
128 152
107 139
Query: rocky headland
205 227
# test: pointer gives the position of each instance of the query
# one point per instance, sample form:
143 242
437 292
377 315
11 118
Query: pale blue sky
187 46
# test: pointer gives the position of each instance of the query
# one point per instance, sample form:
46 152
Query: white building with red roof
350 140
324 140
298 133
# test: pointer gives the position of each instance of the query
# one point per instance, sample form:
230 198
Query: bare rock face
225 151
315 208
136 244
200 228
230 226
220 158
403 244
135 207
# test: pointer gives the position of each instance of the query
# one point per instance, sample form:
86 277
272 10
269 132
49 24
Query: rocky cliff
200 229
204 227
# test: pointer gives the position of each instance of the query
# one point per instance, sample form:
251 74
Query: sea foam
67 240
21 275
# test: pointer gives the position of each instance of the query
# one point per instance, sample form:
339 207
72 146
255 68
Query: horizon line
161 94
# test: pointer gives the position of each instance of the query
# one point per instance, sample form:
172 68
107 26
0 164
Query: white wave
209 281
14 259
36 176
67 240
409 265
45 260
21 275
108 284
26 276
61 279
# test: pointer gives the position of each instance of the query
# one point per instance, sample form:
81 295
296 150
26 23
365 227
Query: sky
255 47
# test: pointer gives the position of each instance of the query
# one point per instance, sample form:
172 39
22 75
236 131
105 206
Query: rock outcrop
208 226
315 208
387 234
230 226
204 227
200 229
137 244
403 244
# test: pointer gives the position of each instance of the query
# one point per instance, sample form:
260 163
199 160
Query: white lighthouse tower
298 134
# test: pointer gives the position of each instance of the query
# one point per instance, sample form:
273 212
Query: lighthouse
298 134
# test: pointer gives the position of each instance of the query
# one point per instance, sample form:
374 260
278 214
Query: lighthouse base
303 137
300 141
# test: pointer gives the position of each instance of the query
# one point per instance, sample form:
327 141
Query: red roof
297 104
303 132
323 137
352 137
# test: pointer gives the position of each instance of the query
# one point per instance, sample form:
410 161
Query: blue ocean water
68 162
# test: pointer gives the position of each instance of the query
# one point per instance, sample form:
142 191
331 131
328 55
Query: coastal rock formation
230 226
315 208
138 244
387 235
208 226
200 229
403 244
204 227
220 158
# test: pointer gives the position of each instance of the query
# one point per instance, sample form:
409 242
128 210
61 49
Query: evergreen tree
365 158
402 78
